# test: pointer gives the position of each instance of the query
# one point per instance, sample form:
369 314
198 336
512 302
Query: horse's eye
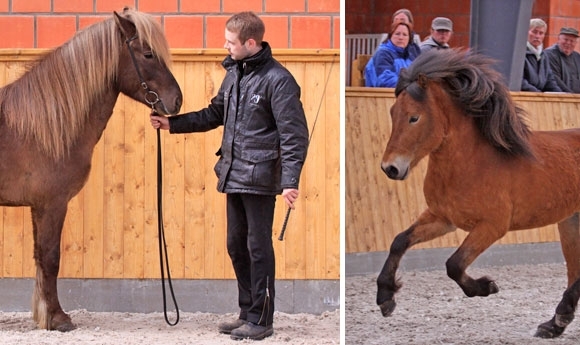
414 119
148 55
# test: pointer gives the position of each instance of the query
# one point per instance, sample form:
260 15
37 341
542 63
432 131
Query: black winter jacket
265 135
538 76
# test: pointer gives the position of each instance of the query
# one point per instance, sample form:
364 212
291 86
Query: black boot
228 327
252 331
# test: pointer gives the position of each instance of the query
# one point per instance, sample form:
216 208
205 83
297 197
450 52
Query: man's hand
290 195
159 122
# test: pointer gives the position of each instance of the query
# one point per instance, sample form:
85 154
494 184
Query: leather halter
155 96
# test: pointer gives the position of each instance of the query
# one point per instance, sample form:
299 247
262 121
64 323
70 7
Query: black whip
162 243
285 224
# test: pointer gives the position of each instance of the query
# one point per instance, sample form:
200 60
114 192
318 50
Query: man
538 76
441 31
263 149
564 61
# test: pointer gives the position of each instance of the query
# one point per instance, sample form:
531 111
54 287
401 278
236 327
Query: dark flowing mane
49 105
478 89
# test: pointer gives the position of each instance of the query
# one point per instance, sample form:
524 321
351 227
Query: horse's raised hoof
549 330
493 288
481 287
387 307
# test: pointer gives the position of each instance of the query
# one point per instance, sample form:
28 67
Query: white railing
360 44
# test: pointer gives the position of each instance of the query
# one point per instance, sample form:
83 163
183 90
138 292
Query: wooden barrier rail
377 208
111 226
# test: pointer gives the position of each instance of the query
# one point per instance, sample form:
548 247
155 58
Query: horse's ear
125 25
422 80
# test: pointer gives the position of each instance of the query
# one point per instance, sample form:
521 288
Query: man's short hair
537 23
247 25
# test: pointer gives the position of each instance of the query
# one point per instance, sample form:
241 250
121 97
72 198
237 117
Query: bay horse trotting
52 117
487 174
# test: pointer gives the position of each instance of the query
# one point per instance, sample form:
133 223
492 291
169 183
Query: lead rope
285 224
162 243
160 229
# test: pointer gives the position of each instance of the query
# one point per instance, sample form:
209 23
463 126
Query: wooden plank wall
111 227
377 208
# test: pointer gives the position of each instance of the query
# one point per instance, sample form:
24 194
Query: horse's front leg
481 237
47 223
426 228
564 313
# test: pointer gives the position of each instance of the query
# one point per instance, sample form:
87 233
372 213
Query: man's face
536 36
567 43
236 49
441 36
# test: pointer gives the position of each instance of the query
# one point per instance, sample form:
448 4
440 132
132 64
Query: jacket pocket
264 164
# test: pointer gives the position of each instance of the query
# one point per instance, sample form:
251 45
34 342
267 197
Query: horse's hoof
62 323
544 333
387 307
66 327
493 288
548 330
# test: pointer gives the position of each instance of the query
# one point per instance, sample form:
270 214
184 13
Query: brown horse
487 174
52 117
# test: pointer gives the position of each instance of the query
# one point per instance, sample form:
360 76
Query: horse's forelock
410 83
150 32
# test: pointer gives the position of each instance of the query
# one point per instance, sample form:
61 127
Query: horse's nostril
391 171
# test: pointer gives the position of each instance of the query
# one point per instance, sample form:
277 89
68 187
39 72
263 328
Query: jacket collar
250 63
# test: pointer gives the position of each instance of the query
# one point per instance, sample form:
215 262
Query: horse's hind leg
564 313
426 228
478 240
46 309
570 241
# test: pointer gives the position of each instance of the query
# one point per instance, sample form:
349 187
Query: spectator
564 61
441 31
538 76
383 68
403 15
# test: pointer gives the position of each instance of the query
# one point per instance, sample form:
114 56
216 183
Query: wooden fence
111 227
377 208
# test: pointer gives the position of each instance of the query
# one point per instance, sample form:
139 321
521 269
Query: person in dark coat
441 32
538 76
565 61
264 144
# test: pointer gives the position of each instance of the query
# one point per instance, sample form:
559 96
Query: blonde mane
50 104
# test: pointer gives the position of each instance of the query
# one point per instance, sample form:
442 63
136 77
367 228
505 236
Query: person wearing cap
564 61
384 67
538 76
441 31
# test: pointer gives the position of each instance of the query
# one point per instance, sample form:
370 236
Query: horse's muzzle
163 109
394 172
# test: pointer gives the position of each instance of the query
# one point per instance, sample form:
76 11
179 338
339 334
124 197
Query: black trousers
249 242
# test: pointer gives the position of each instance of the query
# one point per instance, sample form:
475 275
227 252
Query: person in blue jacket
383 68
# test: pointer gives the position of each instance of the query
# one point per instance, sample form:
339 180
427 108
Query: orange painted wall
374 16
188 23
